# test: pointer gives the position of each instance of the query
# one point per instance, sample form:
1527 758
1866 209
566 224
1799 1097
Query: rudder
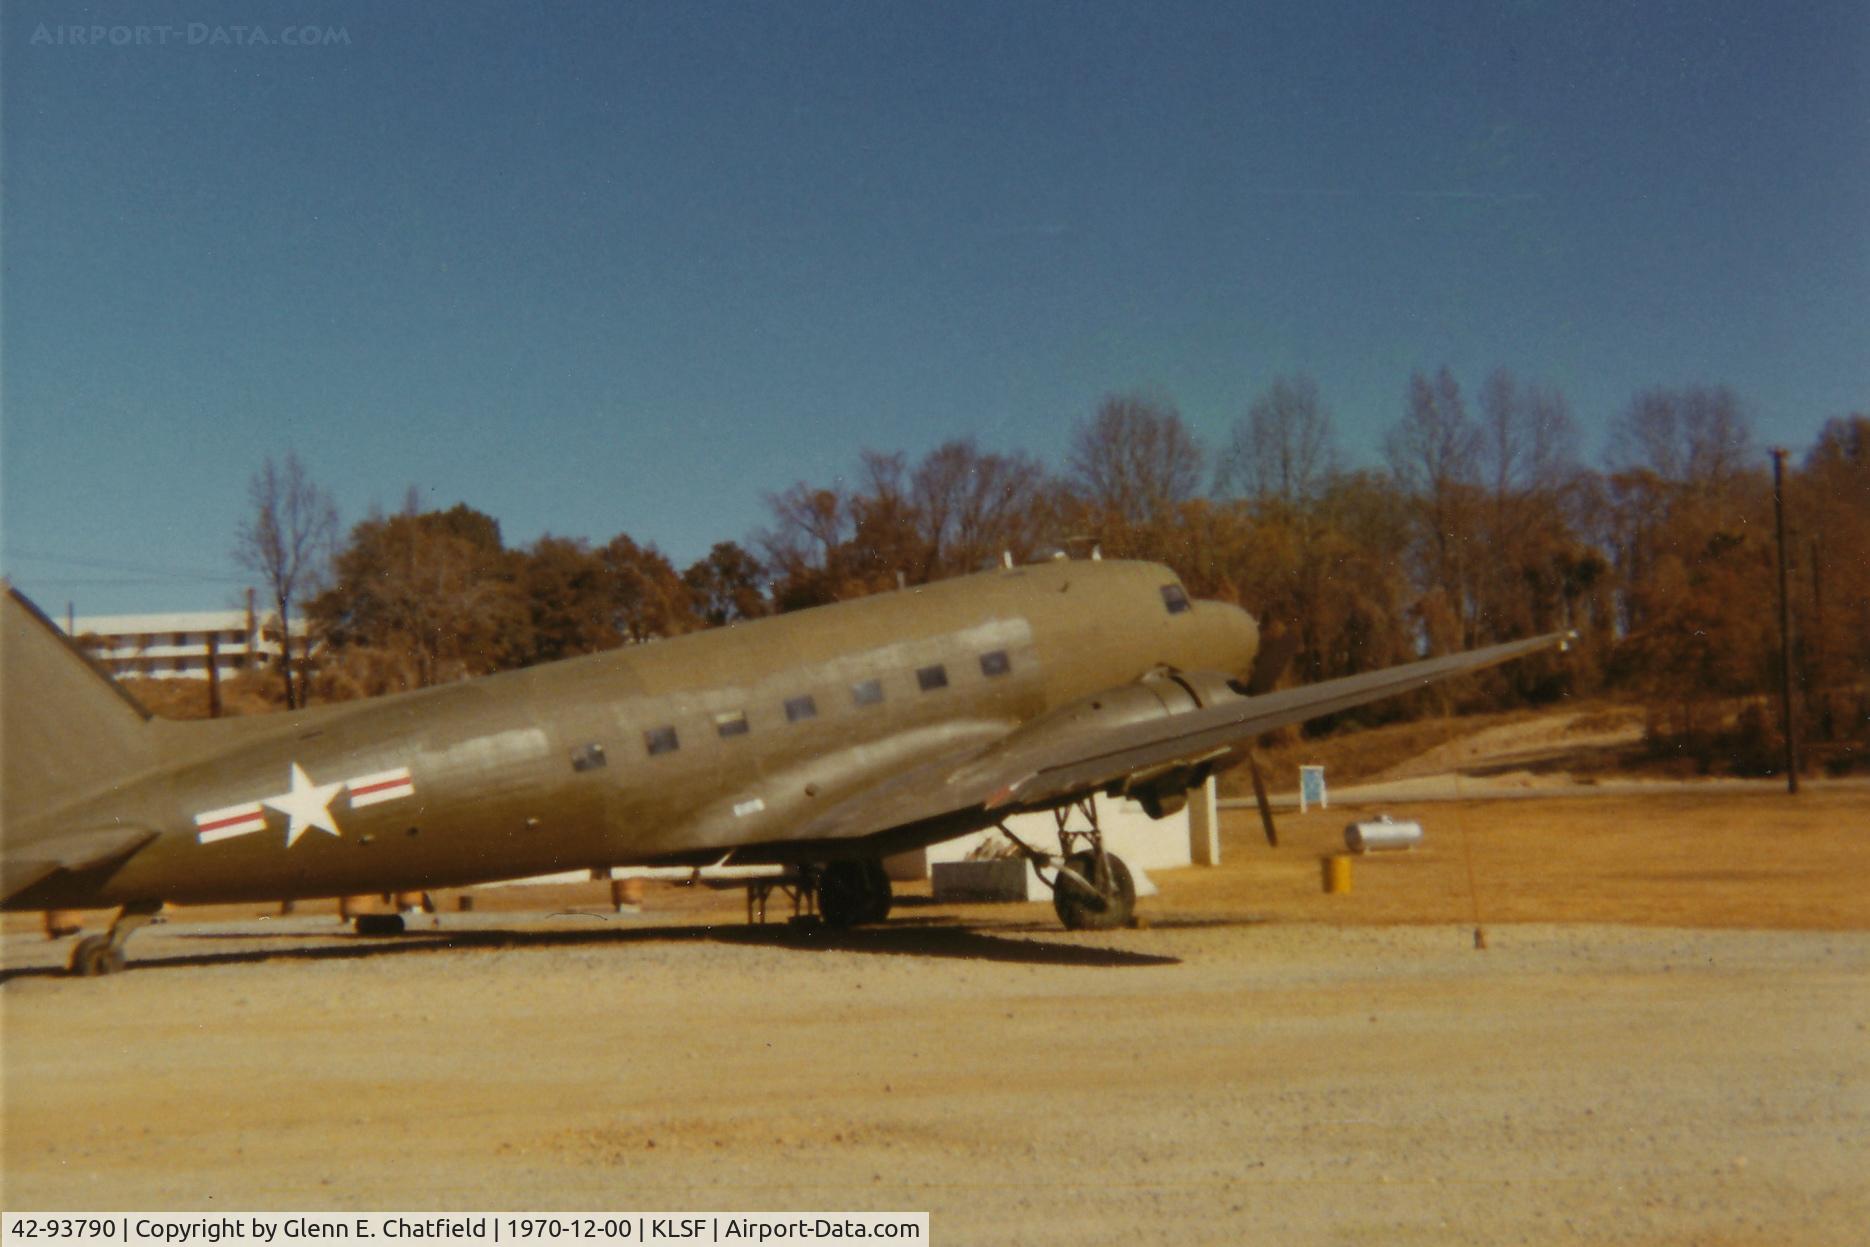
65 726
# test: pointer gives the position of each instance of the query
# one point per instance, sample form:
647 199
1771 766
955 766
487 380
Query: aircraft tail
65 726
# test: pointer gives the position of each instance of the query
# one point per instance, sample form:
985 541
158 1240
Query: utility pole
1785 625
214 674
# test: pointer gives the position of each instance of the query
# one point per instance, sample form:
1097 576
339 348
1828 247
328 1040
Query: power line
151 574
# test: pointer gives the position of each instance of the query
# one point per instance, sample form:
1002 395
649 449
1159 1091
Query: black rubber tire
93 955
853 893
1112 909
881 895
378 924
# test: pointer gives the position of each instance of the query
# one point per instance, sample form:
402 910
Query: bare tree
287 541
1283 447
1136 460
807 546
1434 453
973 505
1528 469
1435 447
1698 435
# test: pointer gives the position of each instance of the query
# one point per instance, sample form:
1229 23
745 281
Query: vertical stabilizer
66 728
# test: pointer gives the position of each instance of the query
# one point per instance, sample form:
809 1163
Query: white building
177 645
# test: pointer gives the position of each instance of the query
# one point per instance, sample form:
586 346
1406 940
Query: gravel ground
1197 1081
1666 1040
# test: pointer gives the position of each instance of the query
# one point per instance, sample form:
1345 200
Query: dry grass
1356 753
1708 856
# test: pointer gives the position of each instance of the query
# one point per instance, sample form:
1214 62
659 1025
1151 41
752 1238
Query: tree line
1484 524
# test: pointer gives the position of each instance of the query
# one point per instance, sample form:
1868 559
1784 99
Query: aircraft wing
22 867
1047 763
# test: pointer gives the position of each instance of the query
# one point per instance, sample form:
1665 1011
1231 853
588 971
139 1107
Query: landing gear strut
853 893
103 954
1091 888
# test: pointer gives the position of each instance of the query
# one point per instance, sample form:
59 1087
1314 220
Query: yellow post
1337 873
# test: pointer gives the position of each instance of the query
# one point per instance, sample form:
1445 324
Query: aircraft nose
1238 642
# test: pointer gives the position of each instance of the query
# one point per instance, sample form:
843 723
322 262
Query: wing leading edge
1046 764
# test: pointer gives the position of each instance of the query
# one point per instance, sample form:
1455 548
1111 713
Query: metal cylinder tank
1381 834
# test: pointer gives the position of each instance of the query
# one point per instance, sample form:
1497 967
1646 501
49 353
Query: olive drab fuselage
681 750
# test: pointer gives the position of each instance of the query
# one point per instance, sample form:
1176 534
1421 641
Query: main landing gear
1091 888
853 893
103 954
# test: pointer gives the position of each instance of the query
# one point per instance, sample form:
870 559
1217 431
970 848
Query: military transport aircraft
821 740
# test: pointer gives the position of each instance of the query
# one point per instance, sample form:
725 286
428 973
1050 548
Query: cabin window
731 723
588 757
867 692
799 709
1174 598
932 678
995 663
661 740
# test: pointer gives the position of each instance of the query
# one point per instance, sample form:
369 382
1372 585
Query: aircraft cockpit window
995 663
661 740
799 709
867 692
587 757
731 723
1174 598
932 678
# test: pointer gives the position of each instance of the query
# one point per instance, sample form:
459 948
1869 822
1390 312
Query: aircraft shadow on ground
914 938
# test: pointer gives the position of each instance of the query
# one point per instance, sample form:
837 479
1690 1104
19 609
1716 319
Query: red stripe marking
367 789
248 817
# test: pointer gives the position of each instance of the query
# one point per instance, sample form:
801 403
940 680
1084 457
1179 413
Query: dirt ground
1665 1040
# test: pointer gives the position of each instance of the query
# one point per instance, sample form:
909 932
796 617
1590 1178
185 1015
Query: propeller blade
1259 794
1269 664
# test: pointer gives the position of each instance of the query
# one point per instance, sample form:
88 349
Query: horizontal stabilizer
76 850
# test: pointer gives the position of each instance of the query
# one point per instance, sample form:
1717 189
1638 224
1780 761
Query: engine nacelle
1158 695
1168 795
1161 694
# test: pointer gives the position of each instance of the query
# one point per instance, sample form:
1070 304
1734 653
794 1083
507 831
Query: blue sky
601 268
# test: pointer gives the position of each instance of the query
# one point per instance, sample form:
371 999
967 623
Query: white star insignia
307 805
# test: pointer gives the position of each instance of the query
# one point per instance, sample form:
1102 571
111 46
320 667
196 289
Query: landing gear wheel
378 924
853 893
1113 902
94 955
103 954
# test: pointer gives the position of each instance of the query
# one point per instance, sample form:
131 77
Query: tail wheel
94 955
853 893
1106 905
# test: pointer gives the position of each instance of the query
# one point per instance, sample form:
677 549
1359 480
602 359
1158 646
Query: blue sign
1312 788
